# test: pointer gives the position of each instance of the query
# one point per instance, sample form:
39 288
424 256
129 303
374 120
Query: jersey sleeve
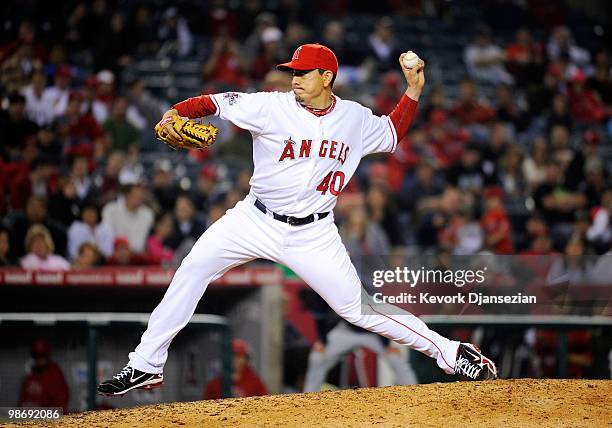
378 133
246 111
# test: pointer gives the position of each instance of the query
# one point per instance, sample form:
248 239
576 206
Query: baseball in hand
410 59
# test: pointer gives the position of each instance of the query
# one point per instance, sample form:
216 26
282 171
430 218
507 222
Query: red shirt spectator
245 382
495 223
585 104
469 110
45 386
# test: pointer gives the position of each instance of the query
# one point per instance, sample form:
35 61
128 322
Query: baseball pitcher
307 143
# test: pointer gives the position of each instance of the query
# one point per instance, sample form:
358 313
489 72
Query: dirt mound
507 403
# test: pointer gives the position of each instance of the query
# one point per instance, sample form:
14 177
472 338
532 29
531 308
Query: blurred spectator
540 246
142 30
129 217
540 93
390 92
252 44
561 151
495 223
525 58
461 235
121 133
79 175
436 102
508 109
245 381
382 211
91 104
40 251
89 229
272 52
63 205
559 114
163 187
144 108
40 103
510 173
186 225
419 187
35 213
594 183
534 165
101 94
561 43
496 147
222 18
111 50
49 146
585 104
174 34
573 267
38 178
16 127
601 79
206 191
226 64
363 237
334 37
469 109
599 233
556 202
88 256
107 184
45 384
5 247
468 173
485 60
123 256
383 46
296 35
60 90
435 211
77 126
157 247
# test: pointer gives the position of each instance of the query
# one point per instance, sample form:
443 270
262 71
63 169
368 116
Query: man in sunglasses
307 144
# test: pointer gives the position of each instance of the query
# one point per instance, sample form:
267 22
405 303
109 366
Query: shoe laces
126 371
467 368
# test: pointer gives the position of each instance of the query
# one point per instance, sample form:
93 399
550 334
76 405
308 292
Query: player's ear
328 77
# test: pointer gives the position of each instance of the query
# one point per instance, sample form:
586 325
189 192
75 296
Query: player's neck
321 102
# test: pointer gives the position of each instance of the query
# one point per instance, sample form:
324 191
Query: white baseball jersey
302 162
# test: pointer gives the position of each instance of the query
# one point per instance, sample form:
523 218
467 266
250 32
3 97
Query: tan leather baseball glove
179 132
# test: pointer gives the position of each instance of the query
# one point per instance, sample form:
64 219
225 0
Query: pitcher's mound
502 403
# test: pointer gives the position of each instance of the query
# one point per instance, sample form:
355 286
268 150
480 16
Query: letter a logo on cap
296 54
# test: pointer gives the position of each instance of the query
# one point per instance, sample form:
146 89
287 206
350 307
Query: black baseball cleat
473 365
129 378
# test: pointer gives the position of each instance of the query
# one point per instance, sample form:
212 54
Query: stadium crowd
524 169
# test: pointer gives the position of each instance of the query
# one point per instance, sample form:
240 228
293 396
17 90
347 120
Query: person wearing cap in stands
45 384
245 381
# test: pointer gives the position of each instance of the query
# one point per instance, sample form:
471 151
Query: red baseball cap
310 57
240 347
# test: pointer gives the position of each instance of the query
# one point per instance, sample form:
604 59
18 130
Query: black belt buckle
291 221
296 221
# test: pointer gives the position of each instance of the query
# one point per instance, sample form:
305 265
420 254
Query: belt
292 221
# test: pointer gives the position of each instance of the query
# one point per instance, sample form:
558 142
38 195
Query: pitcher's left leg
322 261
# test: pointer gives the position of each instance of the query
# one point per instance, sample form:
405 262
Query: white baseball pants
313 251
